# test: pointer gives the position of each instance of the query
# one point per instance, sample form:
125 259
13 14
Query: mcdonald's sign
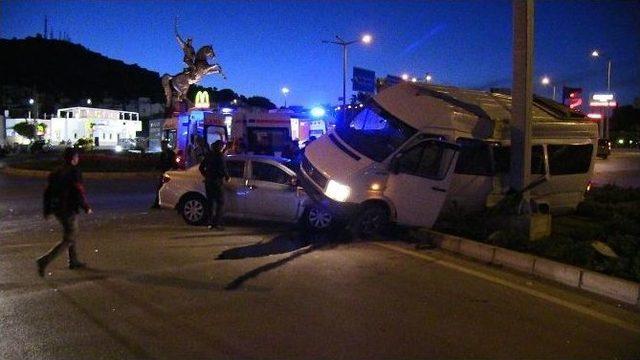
202 100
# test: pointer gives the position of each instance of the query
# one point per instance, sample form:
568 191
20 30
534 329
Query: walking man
215 171
64 197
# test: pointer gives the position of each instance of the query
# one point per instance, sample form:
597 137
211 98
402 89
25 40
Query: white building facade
105 127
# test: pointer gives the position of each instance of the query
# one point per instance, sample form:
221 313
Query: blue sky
265 45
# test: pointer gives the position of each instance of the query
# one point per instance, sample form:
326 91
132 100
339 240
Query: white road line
496 280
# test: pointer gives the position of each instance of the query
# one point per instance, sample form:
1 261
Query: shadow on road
296 242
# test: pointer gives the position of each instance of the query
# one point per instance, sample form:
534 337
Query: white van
416 149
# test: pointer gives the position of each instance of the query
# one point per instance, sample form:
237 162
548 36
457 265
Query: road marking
496 280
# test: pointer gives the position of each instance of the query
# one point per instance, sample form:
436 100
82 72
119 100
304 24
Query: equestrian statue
176 86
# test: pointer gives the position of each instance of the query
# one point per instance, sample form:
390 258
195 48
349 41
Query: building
105 127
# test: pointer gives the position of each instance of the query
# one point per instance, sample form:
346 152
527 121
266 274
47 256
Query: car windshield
375 133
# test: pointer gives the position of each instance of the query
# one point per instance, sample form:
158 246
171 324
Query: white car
260 187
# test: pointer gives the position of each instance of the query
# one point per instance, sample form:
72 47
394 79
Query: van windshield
374 132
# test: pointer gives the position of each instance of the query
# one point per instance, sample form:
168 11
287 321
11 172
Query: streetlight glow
595 53
317 112
405 76
428 78
413 79
285 91
367 38
545 80
31 101
88 101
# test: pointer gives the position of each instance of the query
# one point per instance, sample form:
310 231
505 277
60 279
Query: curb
618 289
43 174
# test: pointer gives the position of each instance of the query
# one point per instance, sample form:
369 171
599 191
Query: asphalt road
157 288
622 168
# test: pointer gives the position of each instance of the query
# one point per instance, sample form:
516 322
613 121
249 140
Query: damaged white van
416 149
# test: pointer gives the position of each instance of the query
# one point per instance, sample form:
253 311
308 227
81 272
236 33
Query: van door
419 180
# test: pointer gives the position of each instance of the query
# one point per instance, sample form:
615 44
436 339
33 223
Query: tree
26 130
259 101
625 118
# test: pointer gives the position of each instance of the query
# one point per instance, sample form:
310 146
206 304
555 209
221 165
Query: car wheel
318 218
372 220
194 209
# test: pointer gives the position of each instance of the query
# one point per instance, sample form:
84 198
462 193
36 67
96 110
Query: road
157 288
622 168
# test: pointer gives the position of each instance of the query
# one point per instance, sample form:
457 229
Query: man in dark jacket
214 170
64 197
167 162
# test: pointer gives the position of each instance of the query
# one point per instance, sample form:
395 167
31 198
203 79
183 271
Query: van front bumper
342 210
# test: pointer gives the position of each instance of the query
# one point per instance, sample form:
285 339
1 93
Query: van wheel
317 218
194 209
372 220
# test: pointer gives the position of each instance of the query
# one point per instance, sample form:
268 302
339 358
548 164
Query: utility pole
522 95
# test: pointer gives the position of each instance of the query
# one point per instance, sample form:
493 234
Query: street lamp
405 77
428 77
546 81
88 101
596 54
34 102
285 91
366 39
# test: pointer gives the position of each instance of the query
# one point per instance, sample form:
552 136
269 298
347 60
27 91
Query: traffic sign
364 80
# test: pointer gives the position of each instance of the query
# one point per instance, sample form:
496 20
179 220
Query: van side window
569 159
474 158
502 159
423 160
537 160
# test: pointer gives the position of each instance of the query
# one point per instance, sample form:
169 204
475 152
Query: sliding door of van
419 181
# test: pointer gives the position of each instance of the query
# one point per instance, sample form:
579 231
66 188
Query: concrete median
614 288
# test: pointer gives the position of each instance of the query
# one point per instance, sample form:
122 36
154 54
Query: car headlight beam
337 191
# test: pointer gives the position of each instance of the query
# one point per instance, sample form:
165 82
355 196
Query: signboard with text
364 80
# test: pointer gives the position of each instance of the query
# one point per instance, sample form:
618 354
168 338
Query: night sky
265 45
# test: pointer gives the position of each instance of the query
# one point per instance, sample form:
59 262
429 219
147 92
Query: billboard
572 97
364 80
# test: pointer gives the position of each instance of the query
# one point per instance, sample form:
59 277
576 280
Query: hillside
61 69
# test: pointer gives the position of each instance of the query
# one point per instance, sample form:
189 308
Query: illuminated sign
603 104
594 116
602 97
202 100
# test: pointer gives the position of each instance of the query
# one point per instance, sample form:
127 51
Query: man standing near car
64 197
214 170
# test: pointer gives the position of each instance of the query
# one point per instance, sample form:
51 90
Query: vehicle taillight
165 179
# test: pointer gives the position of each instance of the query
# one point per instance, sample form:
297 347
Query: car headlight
337 191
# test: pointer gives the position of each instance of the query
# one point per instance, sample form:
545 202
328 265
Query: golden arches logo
202 100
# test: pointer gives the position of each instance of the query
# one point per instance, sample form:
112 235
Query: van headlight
337 191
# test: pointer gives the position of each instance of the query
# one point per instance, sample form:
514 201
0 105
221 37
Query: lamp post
285 90
546 81
366 39
34 103
596 54
428 77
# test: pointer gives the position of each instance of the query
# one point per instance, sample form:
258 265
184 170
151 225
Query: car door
271 195
236 189
419 180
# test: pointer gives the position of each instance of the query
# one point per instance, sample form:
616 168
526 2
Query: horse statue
176 86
